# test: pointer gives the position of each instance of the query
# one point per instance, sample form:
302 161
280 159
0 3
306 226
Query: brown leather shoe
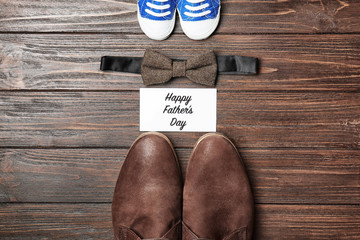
217 199
148 194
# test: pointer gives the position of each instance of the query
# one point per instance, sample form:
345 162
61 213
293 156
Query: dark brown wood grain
238 16
307 222
93 221
72 61
89 175
55 221
65 126
110 119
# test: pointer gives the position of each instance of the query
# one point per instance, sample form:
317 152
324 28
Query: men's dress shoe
217 199
148 194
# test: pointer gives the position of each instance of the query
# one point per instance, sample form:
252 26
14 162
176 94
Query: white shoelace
197 8
158 7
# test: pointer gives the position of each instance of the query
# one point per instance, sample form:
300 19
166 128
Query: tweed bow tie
155 68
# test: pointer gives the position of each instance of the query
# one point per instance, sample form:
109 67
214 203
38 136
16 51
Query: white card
178 109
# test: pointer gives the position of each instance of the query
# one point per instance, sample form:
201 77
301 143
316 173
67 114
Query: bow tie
156 68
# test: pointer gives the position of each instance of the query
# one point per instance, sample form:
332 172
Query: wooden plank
71 61
55 221
237 16
93 221
307 222
89 175
110 119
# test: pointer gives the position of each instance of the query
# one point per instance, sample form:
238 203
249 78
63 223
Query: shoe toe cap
157 30
199 30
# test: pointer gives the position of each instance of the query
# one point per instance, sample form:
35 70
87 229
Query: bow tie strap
237 65
156 68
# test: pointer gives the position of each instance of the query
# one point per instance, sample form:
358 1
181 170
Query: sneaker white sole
193 33
156 30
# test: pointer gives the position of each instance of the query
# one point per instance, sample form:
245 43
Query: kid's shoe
157 17
199 18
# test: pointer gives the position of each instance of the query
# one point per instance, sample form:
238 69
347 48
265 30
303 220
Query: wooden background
65 126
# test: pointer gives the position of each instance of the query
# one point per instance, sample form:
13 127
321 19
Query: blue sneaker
157 17
199 18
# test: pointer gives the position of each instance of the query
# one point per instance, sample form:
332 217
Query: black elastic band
237 65
231 64
121 64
